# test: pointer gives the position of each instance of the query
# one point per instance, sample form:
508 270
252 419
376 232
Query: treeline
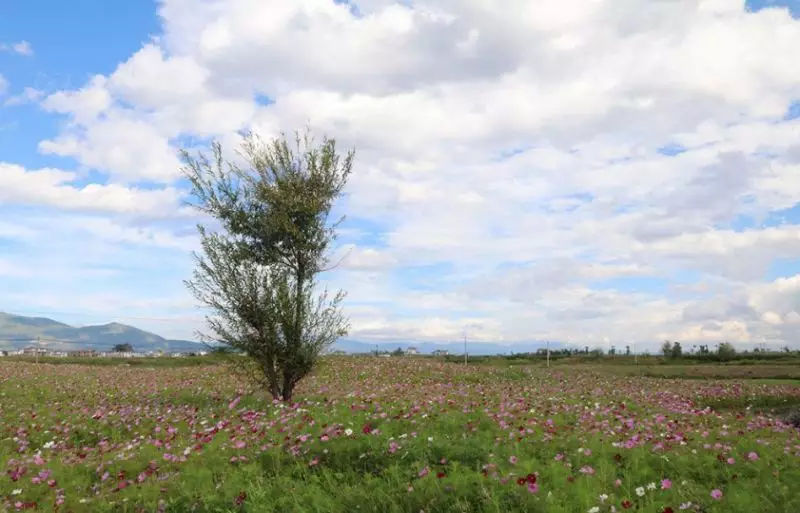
670 351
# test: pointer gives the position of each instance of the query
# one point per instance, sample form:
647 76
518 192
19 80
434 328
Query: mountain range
17 332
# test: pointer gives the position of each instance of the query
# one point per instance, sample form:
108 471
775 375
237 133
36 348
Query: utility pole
635 355
38 345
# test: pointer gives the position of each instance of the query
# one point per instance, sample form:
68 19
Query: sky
592 172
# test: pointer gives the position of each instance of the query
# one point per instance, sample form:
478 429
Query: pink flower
423 472
731 461
559 457
617 483
393 447
716 494
666 484
587 470
752 456
533 488
512 460
233 403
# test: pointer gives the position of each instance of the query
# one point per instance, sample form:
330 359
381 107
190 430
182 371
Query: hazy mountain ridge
18 331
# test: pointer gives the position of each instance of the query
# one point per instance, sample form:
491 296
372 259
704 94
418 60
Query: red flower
531 478
367 429
441 475
240 499
626 504
520 481
668 510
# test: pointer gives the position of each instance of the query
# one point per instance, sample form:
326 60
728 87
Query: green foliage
122 348
258 273
726 351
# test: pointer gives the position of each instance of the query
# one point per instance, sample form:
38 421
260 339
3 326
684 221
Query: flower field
390 435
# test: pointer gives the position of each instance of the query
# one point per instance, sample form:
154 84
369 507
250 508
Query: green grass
481 427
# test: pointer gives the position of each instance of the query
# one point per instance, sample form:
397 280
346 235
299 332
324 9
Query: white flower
49 445
640 491
430 439
651 486
348 432
594 509
603 497
16 491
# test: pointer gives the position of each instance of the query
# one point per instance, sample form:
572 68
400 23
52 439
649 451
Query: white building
412 350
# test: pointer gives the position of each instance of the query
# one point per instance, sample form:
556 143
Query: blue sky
520 178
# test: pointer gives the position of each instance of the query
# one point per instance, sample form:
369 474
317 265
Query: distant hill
17 331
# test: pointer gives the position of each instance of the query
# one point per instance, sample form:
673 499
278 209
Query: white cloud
508 152
28 95
3 85
52 188
20 48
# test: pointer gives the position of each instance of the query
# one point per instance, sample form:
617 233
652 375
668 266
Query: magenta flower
666 484
752 456
233 403
731 461
533 487
716 494
512 460
424 472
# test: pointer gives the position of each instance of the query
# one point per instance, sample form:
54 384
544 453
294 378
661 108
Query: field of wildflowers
390 435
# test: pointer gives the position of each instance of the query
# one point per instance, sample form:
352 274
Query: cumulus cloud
53 188
514 159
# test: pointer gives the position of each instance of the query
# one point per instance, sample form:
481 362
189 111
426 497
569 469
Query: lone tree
257 270
123 348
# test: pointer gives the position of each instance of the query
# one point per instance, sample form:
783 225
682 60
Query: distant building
83 353
441 352
412 350
34 351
